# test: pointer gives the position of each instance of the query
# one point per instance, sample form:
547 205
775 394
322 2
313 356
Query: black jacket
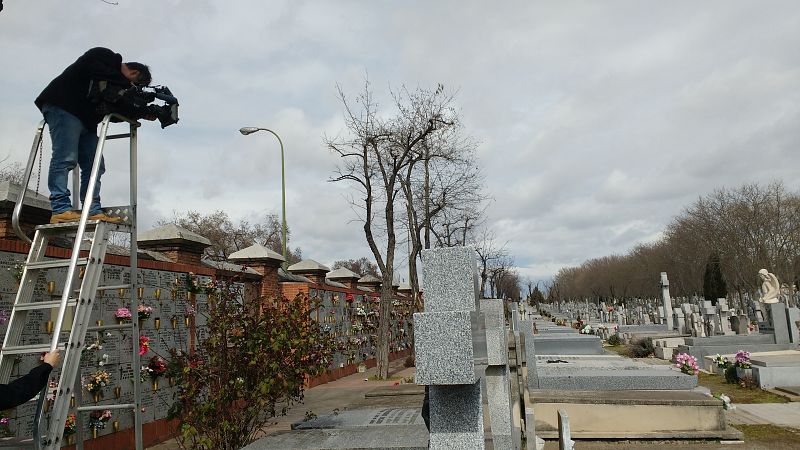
24 388
68 91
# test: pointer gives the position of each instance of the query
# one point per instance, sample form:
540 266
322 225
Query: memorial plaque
148 404
150 277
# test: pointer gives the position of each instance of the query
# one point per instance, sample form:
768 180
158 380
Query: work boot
66 216
104 218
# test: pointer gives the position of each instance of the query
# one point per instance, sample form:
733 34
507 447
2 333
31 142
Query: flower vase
71 440
48 326
157 324
117 392
155 385
174 323
115 424
141 323
171 381
94 432
120 321
186 321
96 396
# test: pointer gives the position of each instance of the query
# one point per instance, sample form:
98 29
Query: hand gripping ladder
84 270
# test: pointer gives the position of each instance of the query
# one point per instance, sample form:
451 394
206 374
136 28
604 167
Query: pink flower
144 345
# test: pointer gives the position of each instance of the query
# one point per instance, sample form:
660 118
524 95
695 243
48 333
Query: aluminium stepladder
79 294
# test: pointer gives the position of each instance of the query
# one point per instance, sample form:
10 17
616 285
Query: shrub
251 367
731 376
614 339
410 361
641 348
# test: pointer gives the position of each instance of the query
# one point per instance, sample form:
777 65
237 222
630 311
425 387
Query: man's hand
52 358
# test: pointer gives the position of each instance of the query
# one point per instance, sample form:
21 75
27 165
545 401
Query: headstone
779 321
565 441
667 301
450 351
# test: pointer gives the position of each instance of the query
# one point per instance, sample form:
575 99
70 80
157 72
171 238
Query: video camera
134 102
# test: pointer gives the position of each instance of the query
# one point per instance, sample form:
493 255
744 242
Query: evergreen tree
714 285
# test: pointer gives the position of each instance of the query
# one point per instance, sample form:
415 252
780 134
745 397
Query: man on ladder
73 118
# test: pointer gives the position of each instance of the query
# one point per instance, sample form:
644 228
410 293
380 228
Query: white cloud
597 122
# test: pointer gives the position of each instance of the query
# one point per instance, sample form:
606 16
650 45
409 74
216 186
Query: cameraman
72 119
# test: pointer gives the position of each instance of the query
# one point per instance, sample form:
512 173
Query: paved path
781 414
323 399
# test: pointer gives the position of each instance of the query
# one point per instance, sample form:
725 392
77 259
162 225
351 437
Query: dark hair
144 78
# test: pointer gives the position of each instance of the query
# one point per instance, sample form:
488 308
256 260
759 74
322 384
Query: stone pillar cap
256 252
172 234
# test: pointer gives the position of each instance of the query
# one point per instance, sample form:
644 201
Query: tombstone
565 441
665 298
679 320
450 360
740 324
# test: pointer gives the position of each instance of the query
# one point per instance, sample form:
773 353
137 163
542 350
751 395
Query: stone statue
770 287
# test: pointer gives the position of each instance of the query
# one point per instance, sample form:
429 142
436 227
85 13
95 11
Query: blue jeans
73 145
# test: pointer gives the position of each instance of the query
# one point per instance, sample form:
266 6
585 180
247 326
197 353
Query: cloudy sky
597 121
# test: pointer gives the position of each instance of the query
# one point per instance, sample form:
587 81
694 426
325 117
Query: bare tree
488 253
374 157
361 266
227 237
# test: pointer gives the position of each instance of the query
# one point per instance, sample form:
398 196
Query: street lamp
250 130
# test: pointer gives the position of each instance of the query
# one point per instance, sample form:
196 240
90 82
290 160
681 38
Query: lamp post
250 130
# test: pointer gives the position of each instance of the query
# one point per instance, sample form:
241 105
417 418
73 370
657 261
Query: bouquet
726 401
687 363
721 361
122 314
144 345
97 381
98 419
144 312
742 359
69 425
157 366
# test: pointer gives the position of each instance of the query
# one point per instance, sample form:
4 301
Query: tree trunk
382 354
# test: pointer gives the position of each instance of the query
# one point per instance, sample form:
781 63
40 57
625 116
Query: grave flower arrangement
5 431
98 419
687 364
16 271
357 327
349 298
145 312
144 345
360 311
157 366
122 314
69 425
721 361
96 381
742 359
726 401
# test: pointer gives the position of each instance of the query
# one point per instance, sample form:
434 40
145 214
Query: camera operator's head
137 73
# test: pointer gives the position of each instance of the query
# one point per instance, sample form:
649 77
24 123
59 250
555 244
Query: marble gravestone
450 360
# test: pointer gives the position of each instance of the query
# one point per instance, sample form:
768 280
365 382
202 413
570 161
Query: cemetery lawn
738 394
778 437
621 349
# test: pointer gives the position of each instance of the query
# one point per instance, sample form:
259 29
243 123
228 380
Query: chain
39 174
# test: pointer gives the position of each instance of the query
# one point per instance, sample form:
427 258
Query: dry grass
717 384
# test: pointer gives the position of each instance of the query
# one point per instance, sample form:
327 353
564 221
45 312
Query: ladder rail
26 178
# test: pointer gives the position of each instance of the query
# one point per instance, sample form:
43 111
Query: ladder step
55 264
102 407
124 326
17 442
111 288
25 349
43 305
61 228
